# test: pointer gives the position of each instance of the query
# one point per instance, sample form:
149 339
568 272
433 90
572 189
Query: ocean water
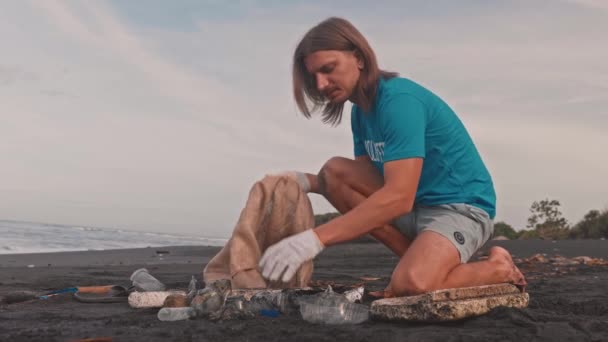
28 237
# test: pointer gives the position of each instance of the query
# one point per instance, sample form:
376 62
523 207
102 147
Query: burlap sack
276 208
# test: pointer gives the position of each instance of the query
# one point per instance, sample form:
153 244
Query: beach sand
567 303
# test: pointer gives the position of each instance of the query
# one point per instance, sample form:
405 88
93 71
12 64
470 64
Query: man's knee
333 172
411 282
336 167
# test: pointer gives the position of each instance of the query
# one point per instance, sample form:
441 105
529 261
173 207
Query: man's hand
286 256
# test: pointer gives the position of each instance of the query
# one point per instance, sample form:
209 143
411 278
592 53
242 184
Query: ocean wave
27 237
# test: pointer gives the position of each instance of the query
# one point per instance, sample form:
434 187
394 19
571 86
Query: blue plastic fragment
270 313
67 290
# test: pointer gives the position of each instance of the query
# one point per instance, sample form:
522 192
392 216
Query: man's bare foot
378 294
504 263
386 293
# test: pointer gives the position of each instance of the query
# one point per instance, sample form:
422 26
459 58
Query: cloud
592 4
111 34
168 122
10 75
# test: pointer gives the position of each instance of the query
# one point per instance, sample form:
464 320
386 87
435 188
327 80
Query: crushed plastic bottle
210 300
246 305
192 288
332 308
355 295
176 314
143 281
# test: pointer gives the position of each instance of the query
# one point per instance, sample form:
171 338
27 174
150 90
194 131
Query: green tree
504 229
546 212
593 226
547 221
528 234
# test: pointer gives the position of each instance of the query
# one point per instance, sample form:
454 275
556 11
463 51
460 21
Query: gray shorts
466 226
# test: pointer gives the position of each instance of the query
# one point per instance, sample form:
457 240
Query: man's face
336 73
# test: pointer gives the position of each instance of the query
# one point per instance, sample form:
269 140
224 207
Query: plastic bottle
355 295
211 299
243 306
176 314
192 288
144 281
332 308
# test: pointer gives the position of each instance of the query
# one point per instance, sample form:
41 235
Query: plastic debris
270 313
355 295
210 300
370 278
144 281
332 308
193 287
176 314
150 299
559 260
176 301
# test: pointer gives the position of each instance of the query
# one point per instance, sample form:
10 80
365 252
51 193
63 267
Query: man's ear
359 57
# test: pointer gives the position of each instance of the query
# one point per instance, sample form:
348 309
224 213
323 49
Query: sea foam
28 237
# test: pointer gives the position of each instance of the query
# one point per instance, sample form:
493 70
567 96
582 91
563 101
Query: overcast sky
159 115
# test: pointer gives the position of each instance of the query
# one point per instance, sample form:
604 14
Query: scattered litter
144 281
370 278
270 313
193 287
332 308
583 260
176 301
563 261
176 314
355 295
58 292
540 266
102 294
218 301
536 258
324 303
211 299
150 299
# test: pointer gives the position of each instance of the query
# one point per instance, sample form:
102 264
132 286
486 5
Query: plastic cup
144 281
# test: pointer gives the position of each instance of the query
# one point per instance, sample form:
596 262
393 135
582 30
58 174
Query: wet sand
567 302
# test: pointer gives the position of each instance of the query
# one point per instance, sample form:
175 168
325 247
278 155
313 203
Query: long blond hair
335 34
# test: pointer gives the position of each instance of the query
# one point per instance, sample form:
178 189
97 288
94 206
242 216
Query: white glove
288 255
299 177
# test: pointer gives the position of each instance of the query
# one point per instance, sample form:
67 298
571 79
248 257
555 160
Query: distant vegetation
545 222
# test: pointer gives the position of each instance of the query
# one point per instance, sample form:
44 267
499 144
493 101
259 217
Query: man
417 182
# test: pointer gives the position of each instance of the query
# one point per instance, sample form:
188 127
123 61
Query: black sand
568 303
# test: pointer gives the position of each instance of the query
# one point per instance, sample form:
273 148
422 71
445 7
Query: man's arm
395 198
387 235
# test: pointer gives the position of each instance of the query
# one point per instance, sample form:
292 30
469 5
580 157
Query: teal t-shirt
409 121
